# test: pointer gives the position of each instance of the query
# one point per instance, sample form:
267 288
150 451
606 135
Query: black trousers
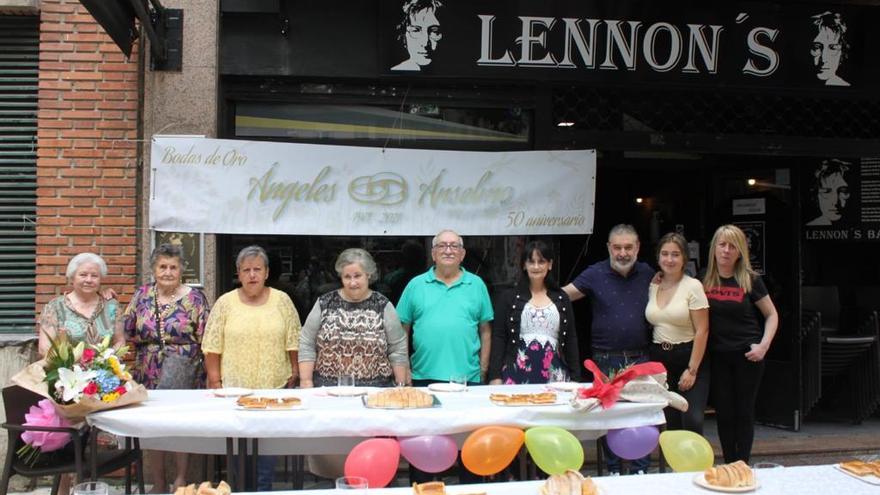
735 382
676 361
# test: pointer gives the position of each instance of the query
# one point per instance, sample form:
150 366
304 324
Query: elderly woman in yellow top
252 338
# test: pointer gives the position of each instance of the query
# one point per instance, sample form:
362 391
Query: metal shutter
19 50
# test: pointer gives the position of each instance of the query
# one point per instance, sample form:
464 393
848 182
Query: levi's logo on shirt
734 294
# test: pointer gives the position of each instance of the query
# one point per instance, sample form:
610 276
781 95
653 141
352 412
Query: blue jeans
266 472
610 362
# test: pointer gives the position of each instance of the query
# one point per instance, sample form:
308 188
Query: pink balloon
633 443
429 453
375 459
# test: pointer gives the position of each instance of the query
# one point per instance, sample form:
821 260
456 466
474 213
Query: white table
196 421
801 480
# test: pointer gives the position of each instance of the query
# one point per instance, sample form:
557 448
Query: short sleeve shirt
618 305
734 321
672 323
253 341
445 322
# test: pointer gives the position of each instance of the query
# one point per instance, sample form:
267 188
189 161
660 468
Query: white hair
436 238
82 258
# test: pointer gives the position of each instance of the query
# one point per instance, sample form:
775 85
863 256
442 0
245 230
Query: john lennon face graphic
420 33
832 192
826 53
829 48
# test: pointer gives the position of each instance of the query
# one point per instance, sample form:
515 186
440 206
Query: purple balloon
429 453
633 443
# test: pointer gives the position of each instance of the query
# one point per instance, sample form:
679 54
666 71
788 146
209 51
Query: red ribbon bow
608 391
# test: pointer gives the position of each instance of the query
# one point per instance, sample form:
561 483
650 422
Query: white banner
255 187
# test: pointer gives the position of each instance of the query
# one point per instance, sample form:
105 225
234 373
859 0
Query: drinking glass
767 475
353 485
458 381
91 488
558 375
346 381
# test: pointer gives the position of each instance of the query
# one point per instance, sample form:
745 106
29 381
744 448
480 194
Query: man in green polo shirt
449 311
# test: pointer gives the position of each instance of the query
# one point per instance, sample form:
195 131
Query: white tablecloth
801 480
196 421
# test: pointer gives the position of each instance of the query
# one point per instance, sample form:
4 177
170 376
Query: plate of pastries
204 489
735 477
536 399
400 398
569 483
260 403
867 471
437 488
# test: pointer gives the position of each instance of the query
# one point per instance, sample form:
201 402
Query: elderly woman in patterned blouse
166 318
353 331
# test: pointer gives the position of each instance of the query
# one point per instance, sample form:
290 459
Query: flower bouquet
82 379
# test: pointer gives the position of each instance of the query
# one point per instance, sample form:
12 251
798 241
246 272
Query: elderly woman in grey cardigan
353 331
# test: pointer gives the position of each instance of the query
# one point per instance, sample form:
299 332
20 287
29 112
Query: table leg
600 458
299 470
230 448
255 455
242 464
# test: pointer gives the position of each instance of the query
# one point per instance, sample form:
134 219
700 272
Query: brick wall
87 150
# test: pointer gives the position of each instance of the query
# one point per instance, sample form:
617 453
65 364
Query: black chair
85 463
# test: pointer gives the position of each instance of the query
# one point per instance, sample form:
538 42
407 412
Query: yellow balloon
686 451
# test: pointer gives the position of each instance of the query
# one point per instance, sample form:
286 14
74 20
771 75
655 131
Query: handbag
178 371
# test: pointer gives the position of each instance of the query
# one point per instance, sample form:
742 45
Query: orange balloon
491 448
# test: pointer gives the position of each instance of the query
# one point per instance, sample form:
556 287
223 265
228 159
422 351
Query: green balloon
554 449
686 451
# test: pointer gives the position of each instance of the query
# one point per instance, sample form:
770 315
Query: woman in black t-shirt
739 338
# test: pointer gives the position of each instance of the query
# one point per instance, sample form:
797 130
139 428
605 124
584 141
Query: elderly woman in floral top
83 315
166 318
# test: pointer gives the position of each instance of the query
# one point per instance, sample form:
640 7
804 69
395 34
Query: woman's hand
108 293
757 352
687 380
306 383
215 383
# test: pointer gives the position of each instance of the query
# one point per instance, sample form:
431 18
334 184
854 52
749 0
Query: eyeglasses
443 246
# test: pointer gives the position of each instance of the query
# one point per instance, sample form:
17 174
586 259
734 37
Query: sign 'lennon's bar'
255 187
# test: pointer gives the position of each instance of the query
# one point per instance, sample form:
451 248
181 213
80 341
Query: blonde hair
742 271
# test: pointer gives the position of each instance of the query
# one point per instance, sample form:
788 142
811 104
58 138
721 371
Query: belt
668 346
623 352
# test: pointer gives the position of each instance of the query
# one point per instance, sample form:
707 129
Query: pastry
734 475
255 402
569 483
429 488
204 489
861 468
523 399
400 398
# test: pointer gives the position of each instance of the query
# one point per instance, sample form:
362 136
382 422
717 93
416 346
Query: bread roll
735 475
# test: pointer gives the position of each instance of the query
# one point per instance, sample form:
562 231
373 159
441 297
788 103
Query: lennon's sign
255 187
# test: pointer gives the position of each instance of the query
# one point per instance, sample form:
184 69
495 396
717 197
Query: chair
848 350
85 463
